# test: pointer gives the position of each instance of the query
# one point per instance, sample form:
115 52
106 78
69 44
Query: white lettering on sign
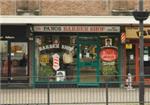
76 28
7 37
53 46
65 47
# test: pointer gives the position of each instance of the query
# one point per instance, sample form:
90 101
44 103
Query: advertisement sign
109 54
60 76
128 46
76 28
134 32
44 58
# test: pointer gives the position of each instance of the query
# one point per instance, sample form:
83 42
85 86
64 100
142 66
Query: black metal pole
141 87
141 45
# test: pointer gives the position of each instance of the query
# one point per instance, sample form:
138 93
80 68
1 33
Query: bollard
129 82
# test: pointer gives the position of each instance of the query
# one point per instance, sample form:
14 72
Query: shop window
19 60
55 56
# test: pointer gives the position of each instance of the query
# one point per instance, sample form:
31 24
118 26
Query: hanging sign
56 65
109 54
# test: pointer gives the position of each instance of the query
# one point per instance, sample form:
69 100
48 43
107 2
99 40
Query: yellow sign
44 58
134 32
128 46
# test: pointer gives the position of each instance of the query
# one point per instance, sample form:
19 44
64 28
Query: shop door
14 63
132 60
133 63
88 61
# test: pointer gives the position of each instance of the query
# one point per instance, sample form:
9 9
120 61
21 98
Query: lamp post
141 16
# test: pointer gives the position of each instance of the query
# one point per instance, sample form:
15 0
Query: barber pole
56 65
123 37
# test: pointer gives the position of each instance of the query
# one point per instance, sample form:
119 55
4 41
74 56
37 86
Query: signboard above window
133 32
103 29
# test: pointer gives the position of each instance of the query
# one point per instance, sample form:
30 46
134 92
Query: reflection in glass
87 53
4 59
19 62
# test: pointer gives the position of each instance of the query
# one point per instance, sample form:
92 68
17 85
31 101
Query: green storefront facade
76 54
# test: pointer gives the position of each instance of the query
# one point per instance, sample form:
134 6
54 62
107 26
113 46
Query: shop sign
128 46
123 37
76 28
54 46
60 76
56 65
44 59
7 37
134 32
109 54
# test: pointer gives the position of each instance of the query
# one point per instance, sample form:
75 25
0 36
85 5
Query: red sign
109 54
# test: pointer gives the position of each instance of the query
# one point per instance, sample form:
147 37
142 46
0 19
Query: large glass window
109 58
55 58
19 61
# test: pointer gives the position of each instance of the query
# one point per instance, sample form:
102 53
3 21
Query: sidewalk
72 96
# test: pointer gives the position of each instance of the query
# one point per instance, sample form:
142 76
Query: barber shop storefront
133 53
77 54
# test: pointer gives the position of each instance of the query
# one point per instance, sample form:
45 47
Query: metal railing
70 93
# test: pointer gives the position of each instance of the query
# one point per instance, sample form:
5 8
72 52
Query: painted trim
128 20
119 62
33 61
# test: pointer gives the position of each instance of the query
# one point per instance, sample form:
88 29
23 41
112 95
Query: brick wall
7 7
71 7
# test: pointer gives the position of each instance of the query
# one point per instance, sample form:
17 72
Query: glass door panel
4 60
19 61
88 53
88 62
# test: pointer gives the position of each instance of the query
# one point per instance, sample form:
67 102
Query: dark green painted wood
94 64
